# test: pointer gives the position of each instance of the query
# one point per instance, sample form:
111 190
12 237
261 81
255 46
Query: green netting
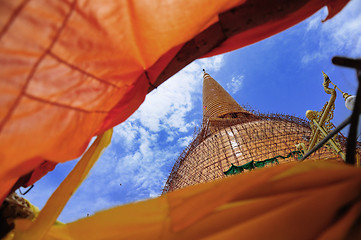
258 164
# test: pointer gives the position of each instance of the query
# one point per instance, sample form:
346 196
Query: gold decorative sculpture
320 121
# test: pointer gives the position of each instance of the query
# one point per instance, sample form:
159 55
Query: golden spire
217 103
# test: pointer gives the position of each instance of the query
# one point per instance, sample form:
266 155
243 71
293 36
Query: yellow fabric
312 200
54 206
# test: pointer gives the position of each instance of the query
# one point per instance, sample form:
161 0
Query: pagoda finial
217 103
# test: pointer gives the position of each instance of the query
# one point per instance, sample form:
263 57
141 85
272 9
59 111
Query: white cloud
184 141
310 57
161 118
137 163
126 132
314 21
170 138
167 107
339 35
345 28
212 64
235 84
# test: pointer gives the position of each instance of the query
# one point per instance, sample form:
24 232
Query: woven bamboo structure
232 136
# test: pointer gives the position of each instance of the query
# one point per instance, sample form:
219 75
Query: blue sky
281 74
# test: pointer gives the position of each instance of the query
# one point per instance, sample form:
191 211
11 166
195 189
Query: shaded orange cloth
313 200
72 69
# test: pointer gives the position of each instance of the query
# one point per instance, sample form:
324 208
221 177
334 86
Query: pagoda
234 140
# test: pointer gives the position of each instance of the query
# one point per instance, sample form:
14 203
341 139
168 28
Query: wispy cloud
166 107
314 21
214 64
310 57
184 141
144 148
339 35
235 84
127 133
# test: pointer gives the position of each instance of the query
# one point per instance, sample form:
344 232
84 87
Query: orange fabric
313 200
72 69
40 171
275 25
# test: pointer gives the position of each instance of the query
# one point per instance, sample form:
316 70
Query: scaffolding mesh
234 135
239 139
